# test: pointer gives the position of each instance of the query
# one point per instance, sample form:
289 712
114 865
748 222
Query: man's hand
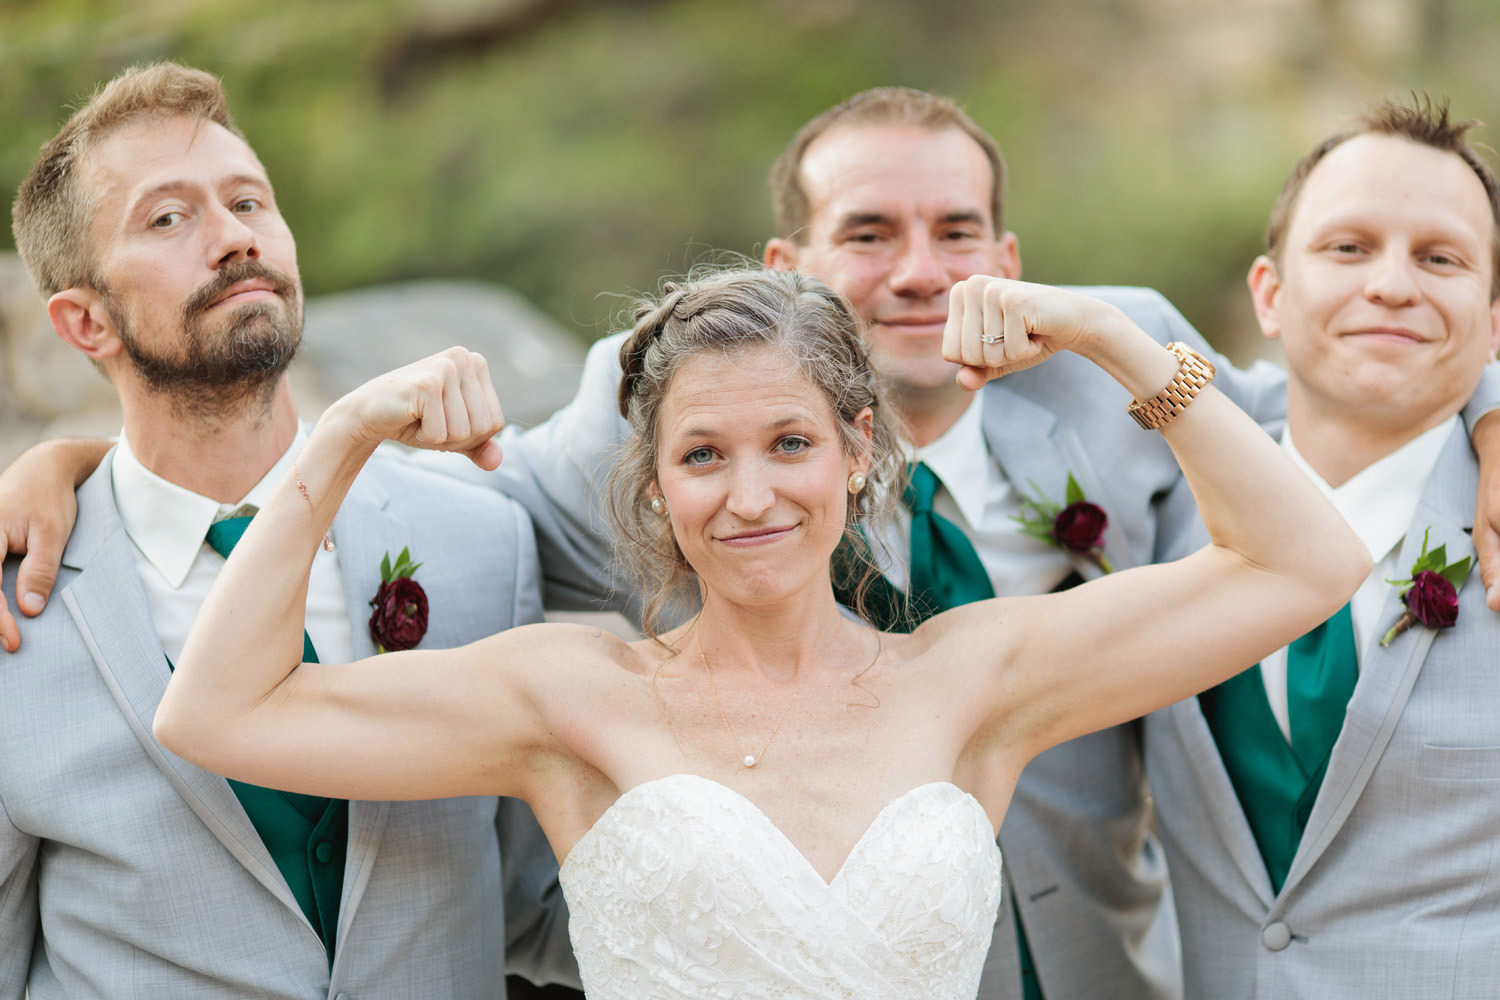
1486 439
445 402
37 511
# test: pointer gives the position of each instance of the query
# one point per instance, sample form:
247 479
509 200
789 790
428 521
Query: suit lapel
1036 454
1388 674
363 532
109 608
1230 827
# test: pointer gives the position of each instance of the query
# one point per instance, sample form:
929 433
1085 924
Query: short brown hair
51 214
880 106
1422 122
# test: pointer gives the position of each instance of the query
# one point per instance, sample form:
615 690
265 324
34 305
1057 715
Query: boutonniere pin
1077 527
400 617
1431 594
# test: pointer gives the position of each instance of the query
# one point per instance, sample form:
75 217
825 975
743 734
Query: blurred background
546 158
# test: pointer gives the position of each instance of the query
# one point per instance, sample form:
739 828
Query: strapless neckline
685 890
719 788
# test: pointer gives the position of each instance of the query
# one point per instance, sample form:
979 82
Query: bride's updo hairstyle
724 314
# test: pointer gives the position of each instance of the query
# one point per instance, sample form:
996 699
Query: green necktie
307 835
945 571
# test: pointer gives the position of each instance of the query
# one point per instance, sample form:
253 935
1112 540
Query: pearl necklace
750 759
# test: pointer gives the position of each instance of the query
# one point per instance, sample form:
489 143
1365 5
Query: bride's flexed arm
417 724
1281 559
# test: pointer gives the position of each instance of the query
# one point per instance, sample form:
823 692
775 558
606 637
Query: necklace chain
749 760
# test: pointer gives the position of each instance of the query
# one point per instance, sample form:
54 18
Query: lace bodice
685 889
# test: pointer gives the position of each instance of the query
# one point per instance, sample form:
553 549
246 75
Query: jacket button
323 852
1276 936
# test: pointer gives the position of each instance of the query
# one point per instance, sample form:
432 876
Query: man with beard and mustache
151 228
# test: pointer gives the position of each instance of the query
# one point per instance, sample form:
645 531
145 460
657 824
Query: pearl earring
856 482
659 505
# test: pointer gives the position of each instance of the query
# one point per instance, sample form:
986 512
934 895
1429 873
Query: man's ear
80 319
1265 290
781 255
1007 255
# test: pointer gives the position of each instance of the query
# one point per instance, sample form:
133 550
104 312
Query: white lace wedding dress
685 890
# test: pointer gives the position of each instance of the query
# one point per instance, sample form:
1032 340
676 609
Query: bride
774 799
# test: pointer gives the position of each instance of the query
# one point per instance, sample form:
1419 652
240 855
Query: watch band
1193 373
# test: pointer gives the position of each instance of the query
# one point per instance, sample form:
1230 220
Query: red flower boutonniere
400 617
1431 595
1077 527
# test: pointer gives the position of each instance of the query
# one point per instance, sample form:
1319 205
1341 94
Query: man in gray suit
151 227
1331 815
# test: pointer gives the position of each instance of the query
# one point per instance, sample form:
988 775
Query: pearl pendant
749 760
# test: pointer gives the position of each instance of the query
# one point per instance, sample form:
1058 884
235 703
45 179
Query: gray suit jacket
127 872
1088 877
1395 888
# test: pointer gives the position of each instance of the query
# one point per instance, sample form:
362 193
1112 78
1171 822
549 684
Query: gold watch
1194 372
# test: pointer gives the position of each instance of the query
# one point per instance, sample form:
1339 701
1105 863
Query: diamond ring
991 338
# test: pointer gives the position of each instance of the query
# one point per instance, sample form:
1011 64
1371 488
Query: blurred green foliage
569 148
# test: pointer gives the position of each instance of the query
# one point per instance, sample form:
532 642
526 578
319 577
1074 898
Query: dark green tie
307 835
945 571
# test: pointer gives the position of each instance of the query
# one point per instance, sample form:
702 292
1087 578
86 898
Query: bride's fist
997 325
445 402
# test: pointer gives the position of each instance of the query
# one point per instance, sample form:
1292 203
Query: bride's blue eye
793 445
699 456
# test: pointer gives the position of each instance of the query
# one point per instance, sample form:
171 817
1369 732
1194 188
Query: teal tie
306 835
945 570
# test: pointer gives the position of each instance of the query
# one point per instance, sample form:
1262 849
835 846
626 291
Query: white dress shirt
1379 503
168 524
974 494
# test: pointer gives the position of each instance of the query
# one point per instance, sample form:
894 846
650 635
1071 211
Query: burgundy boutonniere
400 617
1431 594
1078 526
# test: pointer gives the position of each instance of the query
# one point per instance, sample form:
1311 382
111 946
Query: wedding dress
685 890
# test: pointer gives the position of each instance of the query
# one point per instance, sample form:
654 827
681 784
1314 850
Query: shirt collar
1380 500
952 459
168 523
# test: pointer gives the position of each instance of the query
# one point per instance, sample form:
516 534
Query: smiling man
151 228
1331 814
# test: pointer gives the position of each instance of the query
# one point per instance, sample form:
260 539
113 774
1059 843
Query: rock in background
47 389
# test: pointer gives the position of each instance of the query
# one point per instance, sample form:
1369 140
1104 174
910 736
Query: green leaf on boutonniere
1074 491
403 567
